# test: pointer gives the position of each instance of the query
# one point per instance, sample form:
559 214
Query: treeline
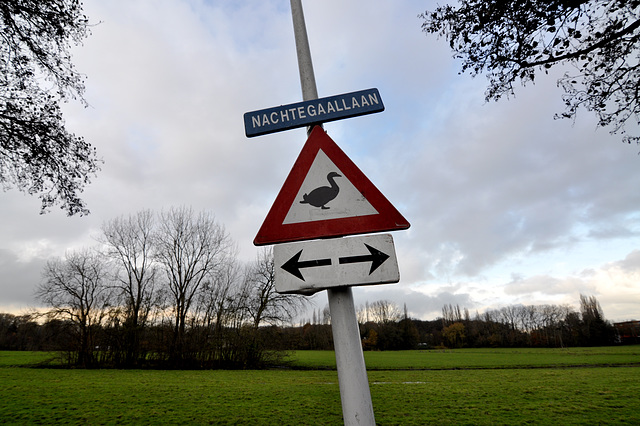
165 290
529 326
384 326
160 290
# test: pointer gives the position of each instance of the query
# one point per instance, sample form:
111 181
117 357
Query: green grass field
407 388
477 358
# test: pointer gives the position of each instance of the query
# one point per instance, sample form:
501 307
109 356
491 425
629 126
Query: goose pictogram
323 194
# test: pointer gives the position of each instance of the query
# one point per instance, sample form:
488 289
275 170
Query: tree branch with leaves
513 41
38 155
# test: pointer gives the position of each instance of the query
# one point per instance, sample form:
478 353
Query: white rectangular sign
310 266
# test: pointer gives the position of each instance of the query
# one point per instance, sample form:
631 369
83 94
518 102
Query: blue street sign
317 111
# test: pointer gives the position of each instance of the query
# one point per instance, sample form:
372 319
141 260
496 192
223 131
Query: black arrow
376 258
294 265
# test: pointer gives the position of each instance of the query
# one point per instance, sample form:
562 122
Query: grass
547 396
415 387
165 397
477 358
27 358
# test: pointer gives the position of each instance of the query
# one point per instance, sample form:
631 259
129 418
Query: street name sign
310 266
312 112
326 195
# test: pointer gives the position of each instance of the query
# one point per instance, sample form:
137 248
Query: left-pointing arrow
294 264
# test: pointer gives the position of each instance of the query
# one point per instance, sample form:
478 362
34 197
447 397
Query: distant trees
510 326
221 332
22 332
37 154
513 41
454 335
164 289
384 326
383 312
451 314
530 325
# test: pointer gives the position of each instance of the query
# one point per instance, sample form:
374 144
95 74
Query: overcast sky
506 204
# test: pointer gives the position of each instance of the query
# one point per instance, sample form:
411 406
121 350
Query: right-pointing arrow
376 258
294 264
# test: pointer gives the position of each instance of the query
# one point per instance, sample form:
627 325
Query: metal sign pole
305 66
355 395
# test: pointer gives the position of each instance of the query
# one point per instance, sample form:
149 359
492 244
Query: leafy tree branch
38 155
513 41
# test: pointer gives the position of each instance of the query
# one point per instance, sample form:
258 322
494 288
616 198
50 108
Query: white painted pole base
355 395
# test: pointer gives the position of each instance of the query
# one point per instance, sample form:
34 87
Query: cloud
18 281
500 183
630 265
492 190
548 286
614 284
419 304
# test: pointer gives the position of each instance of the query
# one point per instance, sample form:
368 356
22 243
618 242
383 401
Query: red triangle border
273 231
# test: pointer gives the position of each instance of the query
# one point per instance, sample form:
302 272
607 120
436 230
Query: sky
507 205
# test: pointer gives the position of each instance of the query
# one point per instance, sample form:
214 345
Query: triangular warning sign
326 195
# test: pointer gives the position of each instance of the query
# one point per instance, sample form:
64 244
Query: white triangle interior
348 203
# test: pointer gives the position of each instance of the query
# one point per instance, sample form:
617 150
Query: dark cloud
18 281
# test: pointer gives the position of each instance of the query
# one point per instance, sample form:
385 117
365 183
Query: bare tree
596 330
216 300
361 313
219 313
263 303
509 316
451 314
191 248
326 315
384 311
590 308
129 243
75 290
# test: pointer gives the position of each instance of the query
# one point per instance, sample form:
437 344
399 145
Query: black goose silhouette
322 195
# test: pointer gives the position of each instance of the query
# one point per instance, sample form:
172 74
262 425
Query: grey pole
355 395
305 66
